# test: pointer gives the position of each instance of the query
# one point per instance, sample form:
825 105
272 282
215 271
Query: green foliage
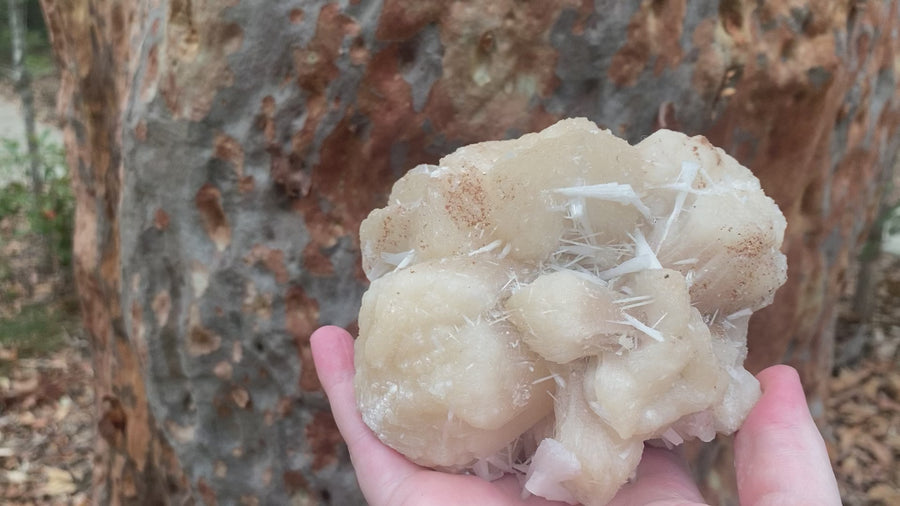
38 53
52 212
36 330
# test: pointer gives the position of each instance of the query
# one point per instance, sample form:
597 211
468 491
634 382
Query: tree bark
224 155
22 80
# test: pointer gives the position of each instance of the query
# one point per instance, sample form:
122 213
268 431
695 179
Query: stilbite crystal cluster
544 305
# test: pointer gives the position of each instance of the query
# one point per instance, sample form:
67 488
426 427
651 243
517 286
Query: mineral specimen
542 306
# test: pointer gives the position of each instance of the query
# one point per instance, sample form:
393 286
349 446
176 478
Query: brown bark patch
113 422
265 121
229 149
401 19
209 204
314 64
140 131
272 259
324 438
246 184
315 262
202 341
301 313
241 397
296 16
161 219
206 493
294 482
301 319
309 380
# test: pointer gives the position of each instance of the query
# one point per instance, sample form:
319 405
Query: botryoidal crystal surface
543 306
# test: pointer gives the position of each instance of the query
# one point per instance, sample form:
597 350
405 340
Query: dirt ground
863 411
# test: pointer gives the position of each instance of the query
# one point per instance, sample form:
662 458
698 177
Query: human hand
780 457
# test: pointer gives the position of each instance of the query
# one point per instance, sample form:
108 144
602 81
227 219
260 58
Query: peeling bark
224 154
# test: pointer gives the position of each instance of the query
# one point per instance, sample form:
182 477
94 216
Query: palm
777 448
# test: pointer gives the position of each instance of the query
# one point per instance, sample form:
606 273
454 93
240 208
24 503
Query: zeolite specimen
542 306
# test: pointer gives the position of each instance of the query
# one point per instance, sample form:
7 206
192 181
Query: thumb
780 457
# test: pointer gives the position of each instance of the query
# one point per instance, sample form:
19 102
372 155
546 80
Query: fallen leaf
63 408
58 482
885 493
15 476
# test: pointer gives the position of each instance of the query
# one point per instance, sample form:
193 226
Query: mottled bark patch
289 172
162 304
324 439
200 340
209 204
195 66
314 64
257 303
708 77
497 63
315 262
654 32
272 259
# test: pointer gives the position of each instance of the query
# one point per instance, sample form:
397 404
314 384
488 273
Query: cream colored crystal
544 305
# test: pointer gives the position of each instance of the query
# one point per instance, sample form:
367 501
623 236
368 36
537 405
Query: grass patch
38 330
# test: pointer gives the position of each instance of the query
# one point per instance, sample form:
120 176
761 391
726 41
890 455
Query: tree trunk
22 80
225 153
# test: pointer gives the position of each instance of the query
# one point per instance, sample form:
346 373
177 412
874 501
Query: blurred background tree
223 155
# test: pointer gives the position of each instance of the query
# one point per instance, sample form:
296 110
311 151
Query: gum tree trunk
224 154
22 79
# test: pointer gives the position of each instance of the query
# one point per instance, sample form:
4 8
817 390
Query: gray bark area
256 135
